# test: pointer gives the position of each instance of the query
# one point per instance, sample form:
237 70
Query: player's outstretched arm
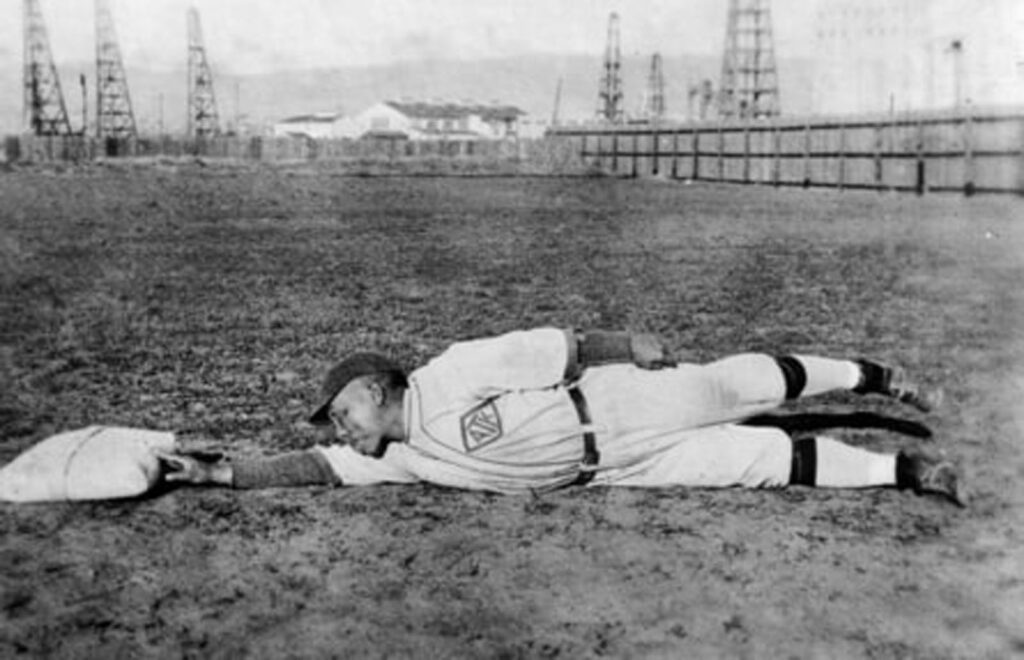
299 468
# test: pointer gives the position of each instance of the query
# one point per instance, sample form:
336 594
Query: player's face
357 414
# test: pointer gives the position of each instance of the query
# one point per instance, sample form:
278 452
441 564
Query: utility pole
749 88
202 104
956 48
45 112
609 104
160 113
555 119
654 97
114 116
84 84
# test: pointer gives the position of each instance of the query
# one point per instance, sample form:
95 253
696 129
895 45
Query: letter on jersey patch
481 426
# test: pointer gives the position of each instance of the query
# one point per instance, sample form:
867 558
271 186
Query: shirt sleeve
354 469
297 468
521 360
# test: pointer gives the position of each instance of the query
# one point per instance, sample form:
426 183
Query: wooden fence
524 156
981 151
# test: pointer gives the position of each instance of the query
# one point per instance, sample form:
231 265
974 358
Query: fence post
807 154
615 152
776 155
675 154
696 154
842 156
892 148
636 151
920 186
969 152
721 153
746 151
879 128
654 152
1020 162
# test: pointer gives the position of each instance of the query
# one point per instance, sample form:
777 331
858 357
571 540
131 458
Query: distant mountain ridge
527 81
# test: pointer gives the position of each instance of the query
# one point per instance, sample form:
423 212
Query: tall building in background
900 55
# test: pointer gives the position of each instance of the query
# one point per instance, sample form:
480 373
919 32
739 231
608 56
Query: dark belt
590 454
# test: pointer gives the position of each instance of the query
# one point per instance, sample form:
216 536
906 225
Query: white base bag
94 463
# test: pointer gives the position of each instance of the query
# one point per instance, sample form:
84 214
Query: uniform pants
679 426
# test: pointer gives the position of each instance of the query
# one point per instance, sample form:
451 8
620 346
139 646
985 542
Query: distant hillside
526 81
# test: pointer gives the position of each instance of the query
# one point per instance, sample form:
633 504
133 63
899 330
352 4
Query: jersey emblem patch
481 426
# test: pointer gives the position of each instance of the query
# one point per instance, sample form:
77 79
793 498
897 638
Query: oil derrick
750 84
609 104
654 97
45 112
202 104
114 117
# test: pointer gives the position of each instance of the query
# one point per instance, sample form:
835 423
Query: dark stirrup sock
804 467
906 475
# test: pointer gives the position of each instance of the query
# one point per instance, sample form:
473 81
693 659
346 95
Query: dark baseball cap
341 374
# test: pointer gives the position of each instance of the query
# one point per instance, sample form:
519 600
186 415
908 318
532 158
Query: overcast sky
250 36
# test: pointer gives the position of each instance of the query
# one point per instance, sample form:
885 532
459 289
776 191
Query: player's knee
793 373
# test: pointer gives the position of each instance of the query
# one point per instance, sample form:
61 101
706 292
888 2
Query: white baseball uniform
495 414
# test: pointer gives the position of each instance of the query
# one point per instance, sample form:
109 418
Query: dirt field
209 300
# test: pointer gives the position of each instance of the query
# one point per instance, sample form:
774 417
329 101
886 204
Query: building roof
318 118
423 110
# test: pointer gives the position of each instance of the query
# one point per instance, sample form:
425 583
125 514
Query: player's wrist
214 474
222 474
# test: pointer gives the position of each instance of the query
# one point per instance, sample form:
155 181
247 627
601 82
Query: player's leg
808 375
824 462
736 387
751 383
758 457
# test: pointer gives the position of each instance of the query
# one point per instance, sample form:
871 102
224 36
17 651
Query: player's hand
187 469
649 353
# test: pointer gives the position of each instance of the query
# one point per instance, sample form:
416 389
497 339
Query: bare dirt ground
209 301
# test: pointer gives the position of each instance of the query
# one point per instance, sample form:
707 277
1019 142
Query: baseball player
542 409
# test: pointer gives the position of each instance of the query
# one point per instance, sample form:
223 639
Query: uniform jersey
490 414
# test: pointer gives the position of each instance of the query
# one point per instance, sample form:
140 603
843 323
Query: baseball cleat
931 473
893 382
899 386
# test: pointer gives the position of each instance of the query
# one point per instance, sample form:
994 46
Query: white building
882 55
437 121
